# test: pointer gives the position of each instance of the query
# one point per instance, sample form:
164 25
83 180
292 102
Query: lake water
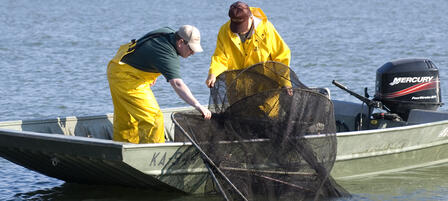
54 55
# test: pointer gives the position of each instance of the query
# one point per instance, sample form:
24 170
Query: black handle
369 102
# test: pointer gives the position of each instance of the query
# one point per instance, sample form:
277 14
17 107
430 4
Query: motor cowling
406 84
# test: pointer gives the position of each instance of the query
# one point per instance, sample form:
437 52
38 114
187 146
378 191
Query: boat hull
371 152
76 154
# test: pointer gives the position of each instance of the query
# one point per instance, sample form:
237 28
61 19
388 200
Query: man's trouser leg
137 115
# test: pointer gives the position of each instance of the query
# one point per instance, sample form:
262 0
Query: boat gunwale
381 130
58 137
73 138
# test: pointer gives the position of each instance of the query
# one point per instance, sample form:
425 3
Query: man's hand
204 111
184 92
289 90
210 82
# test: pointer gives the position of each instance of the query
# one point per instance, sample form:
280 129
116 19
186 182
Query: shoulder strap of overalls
137 43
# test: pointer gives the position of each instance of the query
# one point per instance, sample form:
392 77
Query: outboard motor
406 84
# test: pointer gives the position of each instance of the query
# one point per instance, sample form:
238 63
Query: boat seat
419 116
347 114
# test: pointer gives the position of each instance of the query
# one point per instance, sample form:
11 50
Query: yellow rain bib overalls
137 115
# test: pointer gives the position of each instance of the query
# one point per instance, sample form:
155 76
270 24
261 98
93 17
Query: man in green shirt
135 68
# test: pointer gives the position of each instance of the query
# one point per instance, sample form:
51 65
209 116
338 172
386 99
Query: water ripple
54 57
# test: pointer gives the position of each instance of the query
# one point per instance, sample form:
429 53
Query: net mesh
270 135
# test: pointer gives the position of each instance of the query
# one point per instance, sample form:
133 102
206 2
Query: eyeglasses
186 43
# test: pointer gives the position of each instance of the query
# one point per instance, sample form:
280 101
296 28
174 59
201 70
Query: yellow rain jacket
265 44
137 115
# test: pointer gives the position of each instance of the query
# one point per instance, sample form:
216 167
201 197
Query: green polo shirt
157 55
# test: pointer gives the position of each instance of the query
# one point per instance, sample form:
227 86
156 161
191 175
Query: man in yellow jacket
246 39
135 68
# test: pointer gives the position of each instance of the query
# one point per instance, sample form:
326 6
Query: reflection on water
429 183
68 192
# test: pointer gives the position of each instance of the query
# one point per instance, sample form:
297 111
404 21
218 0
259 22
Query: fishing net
270 136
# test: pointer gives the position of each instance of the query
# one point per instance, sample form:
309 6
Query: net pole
216 182
208 160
